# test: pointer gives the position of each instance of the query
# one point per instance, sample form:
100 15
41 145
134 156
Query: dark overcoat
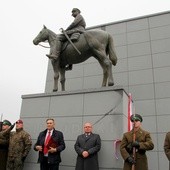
58 138
145 142
167 145
92 145
4 142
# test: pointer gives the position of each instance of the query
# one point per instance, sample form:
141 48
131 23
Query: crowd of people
15 146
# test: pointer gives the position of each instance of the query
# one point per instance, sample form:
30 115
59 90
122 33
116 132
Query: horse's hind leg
105 74
110 75
107 67
62 79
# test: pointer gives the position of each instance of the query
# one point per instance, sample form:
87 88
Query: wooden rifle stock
134 149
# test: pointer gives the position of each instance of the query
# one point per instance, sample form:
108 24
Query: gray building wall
143 49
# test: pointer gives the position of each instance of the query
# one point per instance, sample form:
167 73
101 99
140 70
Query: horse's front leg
55 65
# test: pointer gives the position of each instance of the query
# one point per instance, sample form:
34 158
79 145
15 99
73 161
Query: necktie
46 142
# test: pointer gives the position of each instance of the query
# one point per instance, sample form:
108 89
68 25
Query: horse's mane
52 33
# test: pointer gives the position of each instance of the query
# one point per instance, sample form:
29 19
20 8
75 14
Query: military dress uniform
145 143
19 147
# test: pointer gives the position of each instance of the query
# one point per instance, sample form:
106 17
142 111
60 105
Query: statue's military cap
76 9
6 122
136 117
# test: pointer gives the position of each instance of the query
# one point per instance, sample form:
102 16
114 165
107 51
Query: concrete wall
106 108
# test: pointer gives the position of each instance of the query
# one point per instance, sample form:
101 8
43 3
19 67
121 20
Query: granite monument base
106 108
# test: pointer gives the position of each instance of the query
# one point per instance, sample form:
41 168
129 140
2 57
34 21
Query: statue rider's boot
51 56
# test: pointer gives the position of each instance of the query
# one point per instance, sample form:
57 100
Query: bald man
87 147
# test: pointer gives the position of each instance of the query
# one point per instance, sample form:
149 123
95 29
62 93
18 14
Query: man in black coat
87 146
50 144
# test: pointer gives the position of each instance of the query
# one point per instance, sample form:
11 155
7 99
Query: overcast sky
23 66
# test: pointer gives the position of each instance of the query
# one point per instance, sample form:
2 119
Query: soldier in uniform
19 147
4 142
142 143
73 31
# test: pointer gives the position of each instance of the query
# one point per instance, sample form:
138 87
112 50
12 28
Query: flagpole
129 111
134 139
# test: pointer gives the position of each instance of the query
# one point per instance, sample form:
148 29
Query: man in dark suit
50 144
167 146
87 146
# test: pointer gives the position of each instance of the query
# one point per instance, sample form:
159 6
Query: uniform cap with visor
6 122
136 117
75 9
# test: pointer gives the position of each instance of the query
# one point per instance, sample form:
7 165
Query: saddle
74 38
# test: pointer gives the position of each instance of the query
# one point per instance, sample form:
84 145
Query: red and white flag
130 105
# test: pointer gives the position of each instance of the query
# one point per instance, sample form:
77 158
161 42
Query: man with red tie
50 144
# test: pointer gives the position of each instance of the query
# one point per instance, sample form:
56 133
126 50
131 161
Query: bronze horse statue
96 43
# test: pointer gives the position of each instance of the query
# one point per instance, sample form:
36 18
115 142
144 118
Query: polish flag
129 111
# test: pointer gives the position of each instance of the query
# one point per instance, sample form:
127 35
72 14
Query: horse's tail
111 51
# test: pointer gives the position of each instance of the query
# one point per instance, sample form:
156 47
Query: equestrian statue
75 45
92 43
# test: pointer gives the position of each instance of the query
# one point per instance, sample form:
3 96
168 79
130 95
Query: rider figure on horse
73 31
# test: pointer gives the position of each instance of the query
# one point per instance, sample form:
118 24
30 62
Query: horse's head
42 36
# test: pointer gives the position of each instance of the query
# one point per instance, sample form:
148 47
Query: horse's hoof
110 84
54 90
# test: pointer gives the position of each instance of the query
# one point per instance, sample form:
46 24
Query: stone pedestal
106 108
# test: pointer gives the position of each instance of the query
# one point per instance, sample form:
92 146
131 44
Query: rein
46 42
43 46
